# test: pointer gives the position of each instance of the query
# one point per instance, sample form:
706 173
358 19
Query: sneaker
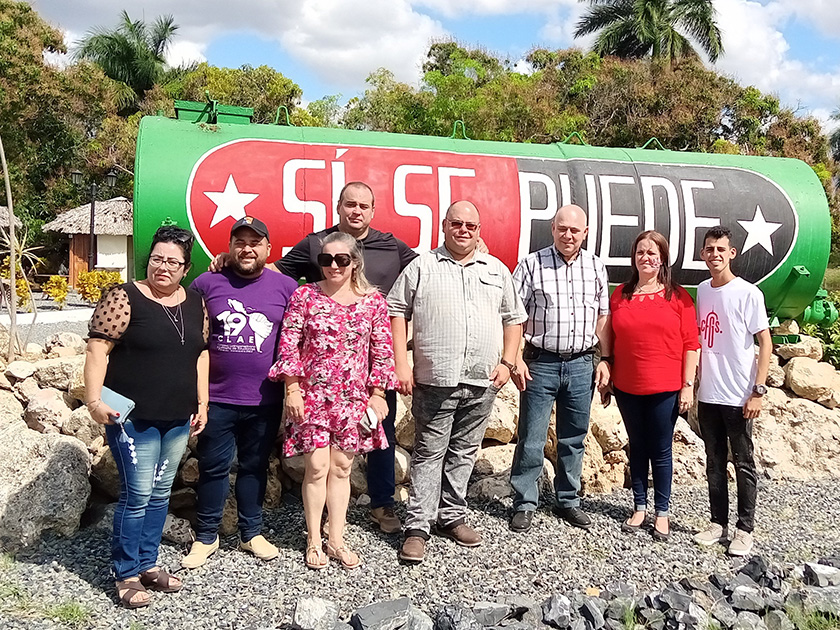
199 552
260 547
462 534
387 520
712 535
742 543
413 549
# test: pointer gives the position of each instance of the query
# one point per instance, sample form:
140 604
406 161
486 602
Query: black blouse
149 363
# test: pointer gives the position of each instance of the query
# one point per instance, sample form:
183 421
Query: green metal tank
205 175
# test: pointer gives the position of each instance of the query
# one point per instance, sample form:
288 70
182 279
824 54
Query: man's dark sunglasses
342 260
457 225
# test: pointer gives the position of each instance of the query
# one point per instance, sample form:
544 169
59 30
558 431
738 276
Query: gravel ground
45 324
797 522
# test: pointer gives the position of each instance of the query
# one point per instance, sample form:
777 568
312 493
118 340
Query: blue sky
787 47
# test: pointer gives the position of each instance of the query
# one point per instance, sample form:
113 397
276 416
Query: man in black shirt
385 257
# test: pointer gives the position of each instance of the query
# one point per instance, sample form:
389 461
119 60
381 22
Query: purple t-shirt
245 319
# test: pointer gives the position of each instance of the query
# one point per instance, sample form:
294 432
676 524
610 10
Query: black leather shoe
574 516
521 520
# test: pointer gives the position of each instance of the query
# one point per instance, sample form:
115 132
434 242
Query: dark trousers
380 463
650 421
250 432
723 427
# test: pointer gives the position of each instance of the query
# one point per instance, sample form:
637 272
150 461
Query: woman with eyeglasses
337 360
148 343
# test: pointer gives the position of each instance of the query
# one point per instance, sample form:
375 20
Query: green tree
834 139
131 54
262 88
661 29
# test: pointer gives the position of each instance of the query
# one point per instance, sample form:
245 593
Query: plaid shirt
458 313
563 299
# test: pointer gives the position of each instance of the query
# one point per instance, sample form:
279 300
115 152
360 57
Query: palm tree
834 138
131 54
661 29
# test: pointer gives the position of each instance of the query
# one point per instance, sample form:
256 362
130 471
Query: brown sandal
348 558
320 558
160 580
130 588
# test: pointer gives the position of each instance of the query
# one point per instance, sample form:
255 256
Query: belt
563 356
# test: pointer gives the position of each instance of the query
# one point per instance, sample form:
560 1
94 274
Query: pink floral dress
339 352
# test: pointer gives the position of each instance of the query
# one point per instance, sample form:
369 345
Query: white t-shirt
728 317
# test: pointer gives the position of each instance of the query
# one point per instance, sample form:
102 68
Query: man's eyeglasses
457 225
342 260
170 264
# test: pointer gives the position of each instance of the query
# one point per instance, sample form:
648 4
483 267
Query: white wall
112 254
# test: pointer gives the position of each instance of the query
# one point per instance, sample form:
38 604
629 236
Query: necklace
175 319
657 287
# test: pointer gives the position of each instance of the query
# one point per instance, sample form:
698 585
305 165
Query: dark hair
664 275
357 185
174 234
718 232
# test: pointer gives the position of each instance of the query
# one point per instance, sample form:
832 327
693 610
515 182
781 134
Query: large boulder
26 389
274 487
806 347
494 460
11 411
47 412
501 427
59 373
813 380
358 477
104 474
775 372
607 427
19 370
404 423
294 468
82 427
67 340
689 455
402 465
43 485
796 438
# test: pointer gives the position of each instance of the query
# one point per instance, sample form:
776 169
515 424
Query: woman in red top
655 359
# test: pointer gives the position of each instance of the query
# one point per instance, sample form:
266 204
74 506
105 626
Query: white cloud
757 53
823 14
184 52
491 7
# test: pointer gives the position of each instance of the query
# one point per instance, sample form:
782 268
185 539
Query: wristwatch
607 359
759 390
510 366
688 383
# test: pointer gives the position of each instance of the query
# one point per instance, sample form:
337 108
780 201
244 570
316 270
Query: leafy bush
57 289
830 337
21 283
91 283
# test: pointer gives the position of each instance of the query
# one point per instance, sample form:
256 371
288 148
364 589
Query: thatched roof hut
113 217
4 219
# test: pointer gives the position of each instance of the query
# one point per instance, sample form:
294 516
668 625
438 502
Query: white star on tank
759 232
230 203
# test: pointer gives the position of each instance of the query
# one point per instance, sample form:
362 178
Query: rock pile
758 597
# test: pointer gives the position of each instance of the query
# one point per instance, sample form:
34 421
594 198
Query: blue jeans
650 421
380 463
147 457
570 384
250 432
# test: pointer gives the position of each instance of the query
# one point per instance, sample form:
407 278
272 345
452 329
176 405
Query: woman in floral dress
337 359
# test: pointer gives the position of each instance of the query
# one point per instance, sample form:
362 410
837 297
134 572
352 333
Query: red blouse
650 338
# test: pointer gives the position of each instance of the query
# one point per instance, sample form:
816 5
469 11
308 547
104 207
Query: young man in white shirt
731 315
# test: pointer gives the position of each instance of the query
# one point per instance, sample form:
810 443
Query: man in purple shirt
245 307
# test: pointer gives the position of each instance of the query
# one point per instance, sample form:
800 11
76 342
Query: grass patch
7 561
812 621
136 625
68 613
831 281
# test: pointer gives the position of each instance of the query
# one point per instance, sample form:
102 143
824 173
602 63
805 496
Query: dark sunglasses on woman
342 260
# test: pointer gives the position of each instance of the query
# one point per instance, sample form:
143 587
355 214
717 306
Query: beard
254 268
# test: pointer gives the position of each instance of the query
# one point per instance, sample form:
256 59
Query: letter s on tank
682 201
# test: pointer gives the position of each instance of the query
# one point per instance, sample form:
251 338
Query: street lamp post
110 181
